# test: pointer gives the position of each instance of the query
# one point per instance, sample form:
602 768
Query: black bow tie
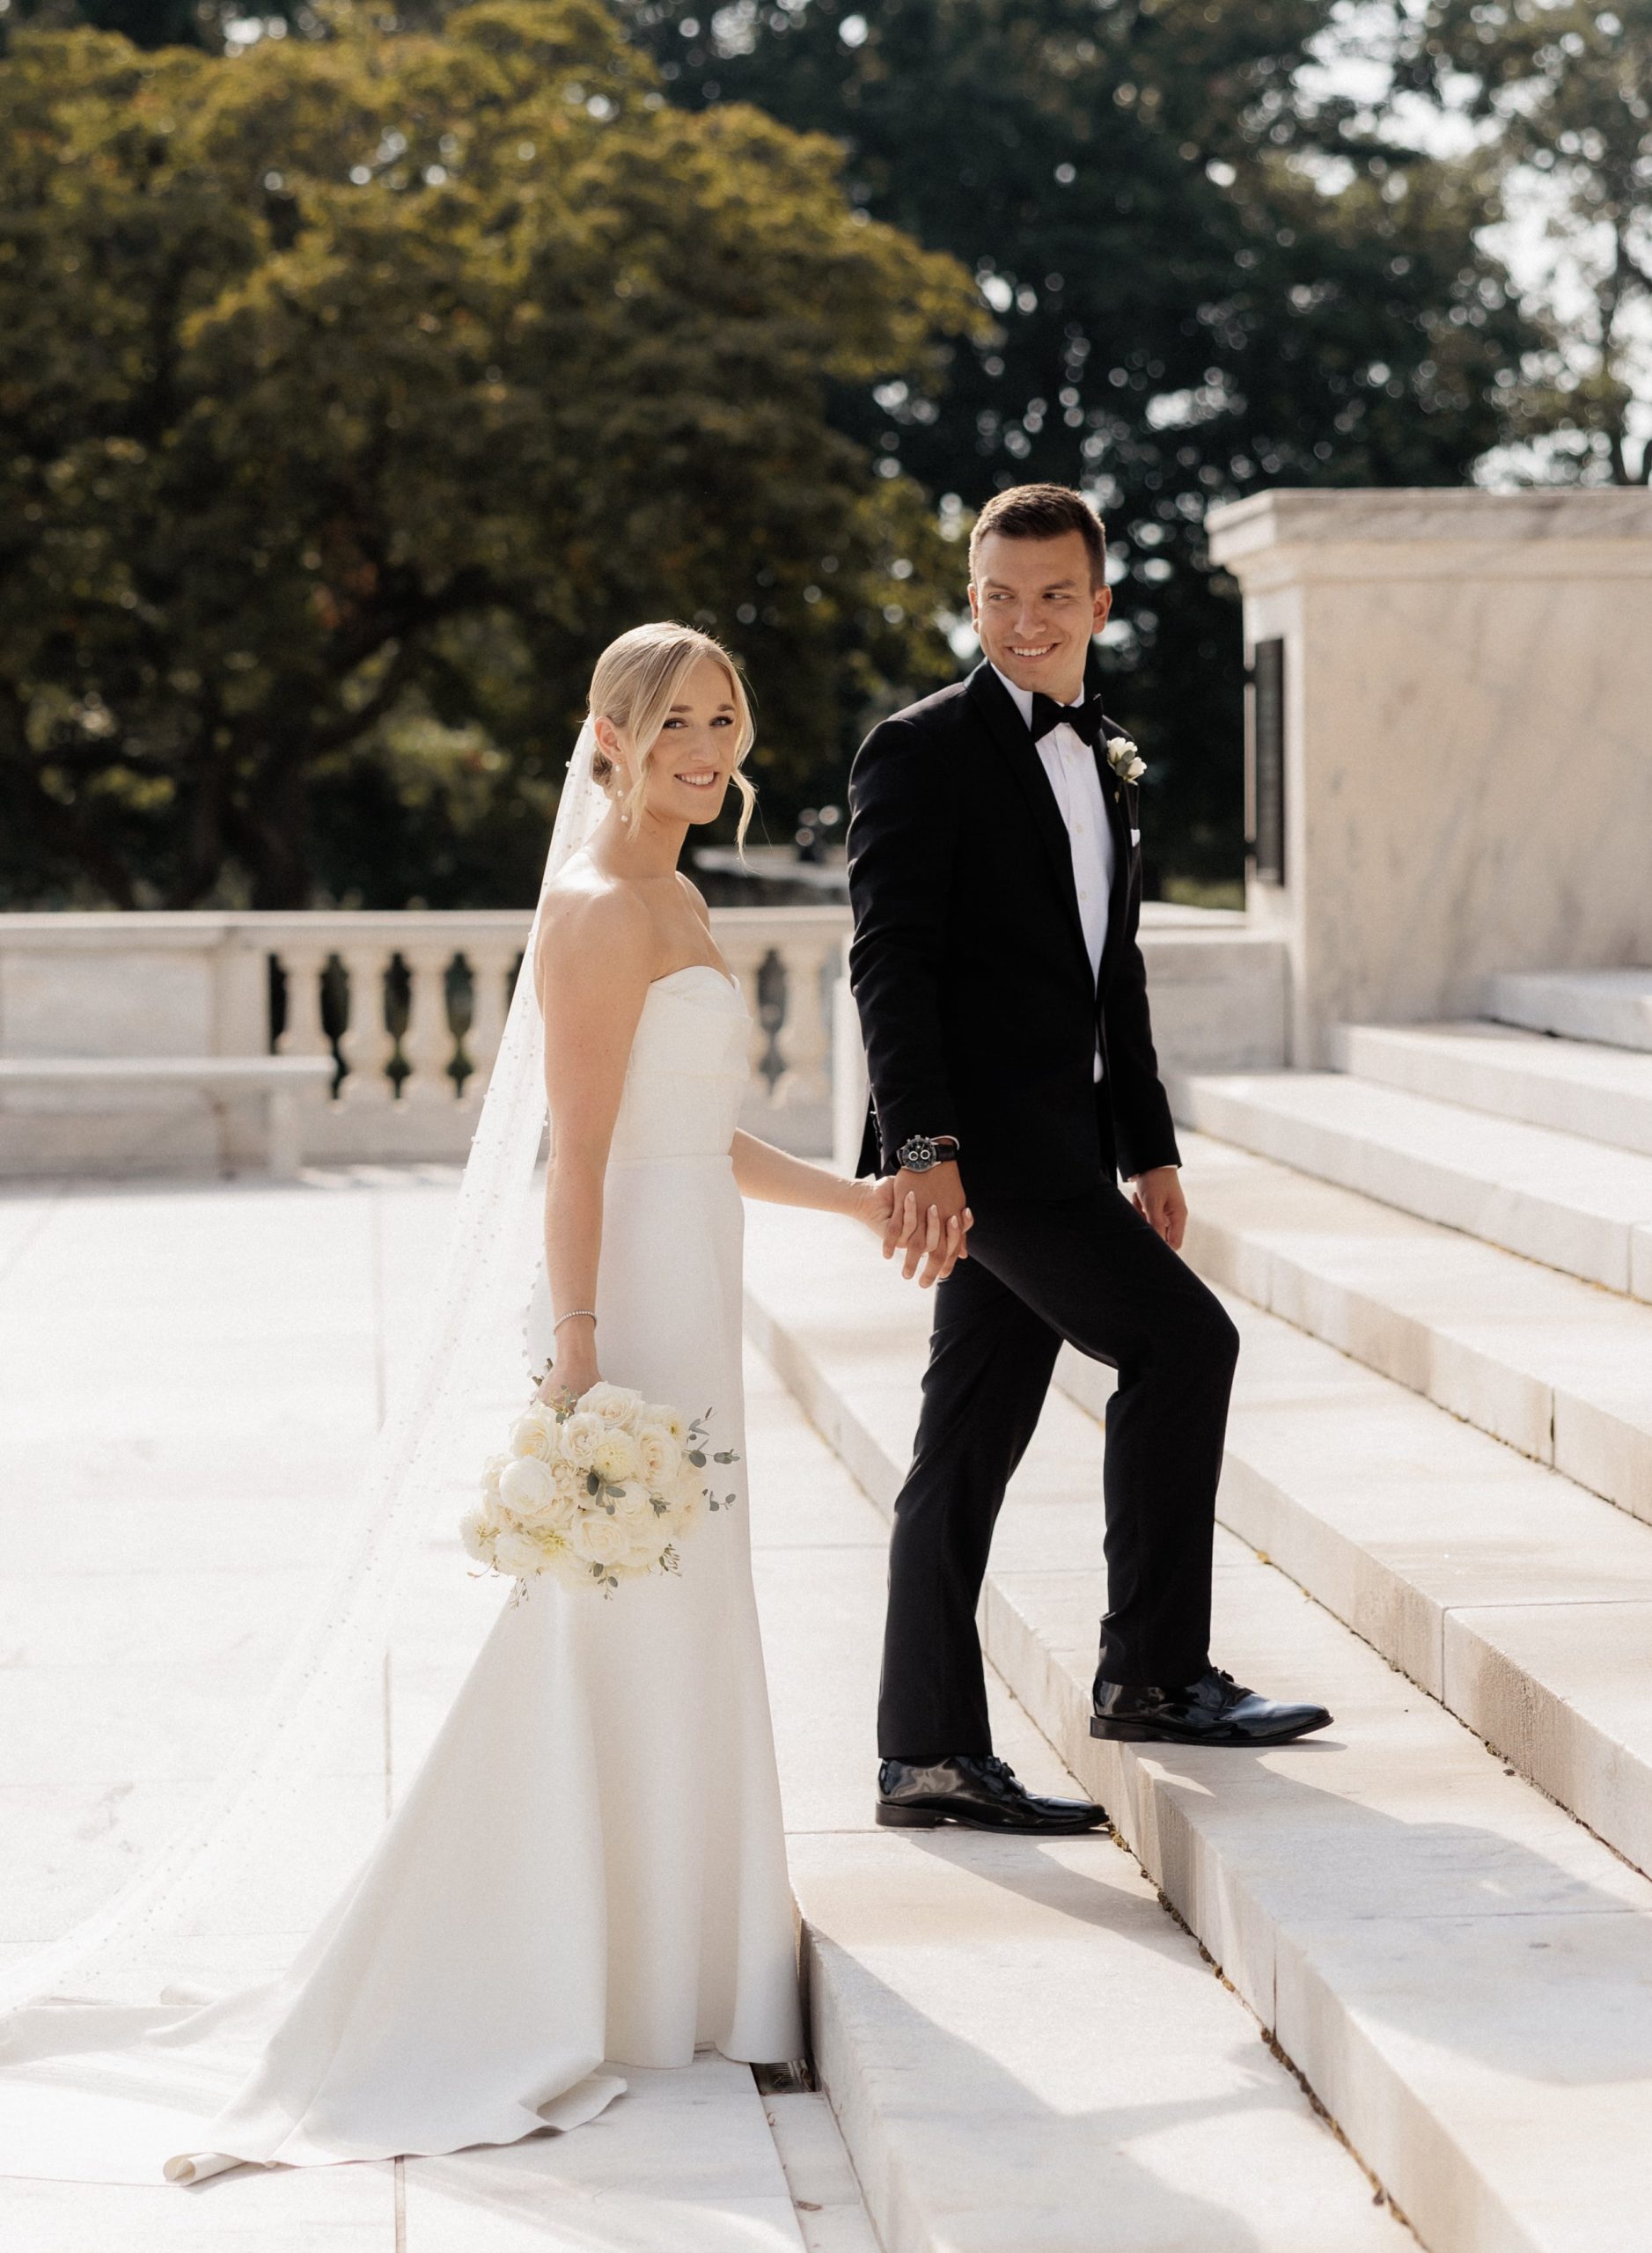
1083 719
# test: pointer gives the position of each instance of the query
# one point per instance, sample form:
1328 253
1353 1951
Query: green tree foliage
1569 90
357 391
1207 278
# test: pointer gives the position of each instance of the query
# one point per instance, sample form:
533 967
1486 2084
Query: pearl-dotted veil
234 1892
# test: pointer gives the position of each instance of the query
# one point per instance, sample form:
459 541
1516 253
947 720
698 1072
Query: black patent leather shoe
1214 1710
982 1794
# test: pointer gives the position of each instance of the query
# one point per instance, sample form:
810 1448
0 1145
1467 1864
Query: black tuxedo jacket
968 964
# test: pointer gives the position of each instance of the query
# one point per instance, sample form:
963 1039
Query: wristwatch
924 1151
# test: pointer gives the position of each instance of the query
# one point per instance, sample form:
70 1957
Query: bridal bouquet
597 1490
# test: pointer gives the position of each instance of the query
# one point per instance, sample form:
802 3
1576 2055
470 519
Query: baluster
303 962
428 1044
805 1035
745 960
491 963
366 1044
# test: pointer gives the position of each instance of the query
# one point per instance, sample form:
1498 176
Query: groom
994 868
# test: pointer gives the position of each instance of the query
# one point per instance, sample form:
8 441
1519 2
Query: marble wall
1468 739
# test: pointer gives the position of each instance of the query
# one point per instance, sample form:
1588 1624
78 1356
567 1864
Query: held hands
928 1221
1158 1196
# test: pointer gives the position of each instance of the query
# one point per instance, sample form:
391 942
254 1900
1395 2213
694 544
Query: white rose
582 1434
492 1470
517 1551
649 1528
614 1457
615 1404
600 1539
535 1433
528 1489
660 1458
477 1536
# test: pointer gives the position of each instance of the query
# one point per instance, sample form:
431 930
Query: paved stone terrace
1025 2048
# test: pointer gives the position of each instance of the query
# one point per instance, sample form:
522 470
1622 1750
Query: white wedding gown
589 1869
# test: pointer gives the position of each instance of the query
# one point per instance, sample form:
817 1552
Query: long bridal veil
229 1899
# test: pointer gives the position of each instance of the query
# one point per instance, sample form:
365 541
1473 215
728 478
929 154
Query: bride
589 1869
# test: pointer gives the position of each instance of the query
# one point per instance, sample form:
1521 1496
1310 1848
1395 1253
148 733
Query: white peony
536 1433
615 1404
492 1470
528 1489
659 1457
614 1457
582 1434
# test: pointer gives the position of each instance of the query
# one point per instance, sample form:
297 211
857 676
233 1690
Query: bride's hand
575 1368
875 1201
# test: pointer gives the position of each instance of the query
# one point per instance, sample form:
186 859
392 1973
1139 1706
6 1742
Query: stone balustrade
409 1005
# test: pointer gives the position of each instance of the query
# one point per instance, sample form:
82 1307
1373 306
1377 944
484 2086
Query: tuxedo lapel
1115 795
996 711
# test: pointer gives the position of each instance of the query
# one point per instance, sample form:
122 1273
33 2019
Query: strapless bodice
687 1073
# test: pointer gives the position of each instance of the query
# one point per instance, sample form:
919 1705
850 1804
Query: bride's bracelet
574 1314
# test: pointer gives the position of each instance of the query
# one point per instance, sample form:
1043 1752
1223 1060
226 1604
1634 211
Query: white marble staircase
1437 1514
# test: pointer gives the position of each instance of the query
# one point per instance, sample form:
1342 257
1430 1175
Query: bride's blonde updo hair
637 680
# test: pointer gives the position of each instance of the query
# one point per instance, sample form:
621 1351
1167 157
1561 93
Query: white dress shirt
1071 764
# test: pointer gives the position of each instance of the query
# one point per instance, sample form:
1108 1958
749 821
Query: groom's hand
930 1222
1158 1196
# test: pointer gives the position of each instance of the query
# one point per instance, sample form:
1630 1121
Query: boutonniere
1125 759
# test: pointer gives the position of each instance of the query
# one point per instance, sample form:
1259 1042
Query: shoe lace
991 1765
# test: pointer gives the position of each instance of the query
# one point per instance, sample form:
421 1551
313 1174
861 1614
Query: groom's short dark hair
1043 512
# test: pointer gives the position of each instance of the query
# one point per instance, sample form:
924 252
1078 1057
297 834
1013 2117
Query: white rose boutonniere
1125 759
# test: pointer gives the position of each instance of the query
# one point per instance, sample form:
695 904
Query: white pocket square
1136 837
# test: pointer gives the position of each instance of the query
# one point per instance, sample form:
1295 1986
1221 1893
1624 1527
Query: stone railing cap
1310 516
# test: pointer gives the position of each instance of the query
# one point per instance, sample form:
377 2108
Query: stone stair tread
1606 1005
1556 1367
1577 1086
1025 2053
1572 1204
1462 1971
1398 1518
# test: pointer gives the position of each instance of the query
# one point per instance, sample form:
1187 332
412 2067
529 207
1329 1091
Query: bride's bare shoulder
596 924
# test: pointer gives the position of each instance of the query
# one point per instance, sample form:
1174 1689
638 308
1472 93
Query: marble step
1610 1005
1572 1204
1574 1086
1554 1367
1460 1971
1520 1602
1024 2052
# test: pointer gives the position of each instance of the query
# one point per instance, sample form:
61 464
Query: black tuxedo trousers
1087 1269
